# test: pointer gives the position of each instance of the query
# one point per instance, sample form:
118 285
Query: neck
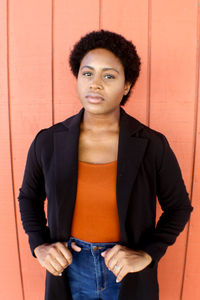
101 122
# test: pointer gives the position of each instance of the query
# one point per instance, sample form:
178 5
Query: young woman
101 171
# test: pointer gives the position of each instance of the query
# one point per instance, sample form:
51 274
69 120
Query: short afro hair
117 44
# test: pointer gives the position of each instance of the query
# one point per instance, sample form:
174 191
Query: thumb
75 247
104 253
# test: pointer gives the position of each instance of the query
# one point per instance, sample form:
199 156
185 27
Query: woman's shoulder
157 142
48 132
144 131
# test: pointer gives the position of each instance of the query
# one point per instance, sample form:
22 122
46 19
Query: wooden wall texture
37 89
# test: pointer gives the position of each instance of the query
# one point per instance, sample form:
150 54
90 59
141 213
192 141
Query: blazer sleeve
174 201
31 200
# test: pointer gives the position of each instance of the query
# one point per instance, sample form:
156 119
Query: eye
87 74
109 76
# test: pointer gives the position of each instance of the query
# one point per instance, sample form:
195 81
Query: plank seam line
52 61
196 109
11 147
149 62
100 4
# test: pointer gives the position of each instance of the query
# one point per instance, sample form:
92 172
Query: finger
104 252
65 251
56 265
62 260
51 269
111 253
117 268
56 254
121 274
115 261
75 247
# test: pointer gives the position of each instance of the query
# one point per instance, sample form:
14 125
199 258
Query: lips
94 98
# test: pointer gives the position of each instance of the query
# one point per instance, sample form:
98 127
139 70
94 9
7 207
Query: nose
96 84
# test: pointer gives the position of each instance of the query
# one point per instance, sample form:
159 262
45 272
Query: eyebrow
104 69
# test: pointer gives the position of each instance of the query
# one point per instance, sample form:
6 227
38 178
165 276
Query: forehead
101 56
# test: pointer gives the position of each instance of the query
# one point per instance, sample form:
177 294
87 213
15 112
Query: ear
127 87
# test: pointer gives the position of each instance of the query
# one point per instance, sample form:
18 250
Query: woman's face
101 82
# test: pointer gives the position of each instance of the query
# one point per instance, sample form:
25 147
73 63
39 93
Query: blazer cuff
156 252
38 238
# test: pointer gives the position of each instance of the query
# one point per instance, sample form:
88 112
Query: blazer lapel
131 150
66 172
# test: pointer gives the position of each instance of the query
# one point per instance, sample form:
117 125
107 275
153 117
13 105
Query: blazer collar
130 126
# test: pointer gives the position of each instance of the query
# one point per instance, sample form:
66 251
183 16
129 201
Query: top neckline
97 164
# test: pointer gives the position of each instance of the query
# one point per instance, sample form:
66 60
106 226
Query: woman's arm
174 200
31 201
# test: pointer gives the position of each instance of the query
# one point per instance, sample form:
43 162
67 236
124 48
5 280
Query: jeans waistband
89 246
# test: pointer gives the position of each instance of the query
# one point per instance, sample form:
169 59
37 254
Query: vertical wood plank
172 108
72 19
130 19
192 271
9 256
31 106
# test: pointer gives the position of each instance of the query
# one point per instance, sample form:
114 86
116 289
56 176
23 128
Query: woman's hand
55 257
122 260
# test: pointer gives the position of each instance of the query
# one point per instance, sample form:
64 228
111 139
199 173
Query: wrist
147 257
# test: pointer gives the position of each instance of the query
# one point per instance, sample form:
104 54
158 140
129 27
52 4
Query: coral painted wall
37 89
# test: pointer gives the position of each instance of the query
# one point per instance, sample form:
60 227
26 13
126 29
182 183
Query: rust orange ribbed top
95 216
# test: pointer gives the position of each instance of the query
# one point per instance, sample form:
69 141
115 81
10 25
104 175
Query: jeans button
95 248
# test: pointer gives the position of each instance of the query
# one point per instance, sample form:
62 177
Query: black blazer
146 168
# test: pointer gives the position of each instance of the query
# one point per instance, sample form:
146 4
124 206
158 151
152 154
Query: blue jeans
88 276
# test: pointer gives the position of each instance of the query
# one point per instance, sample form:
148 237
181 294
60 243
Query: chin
99 110
94 110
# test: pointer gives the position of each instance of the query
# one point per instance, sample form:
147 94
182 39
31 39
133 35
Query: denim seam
104 275
95 269
105 285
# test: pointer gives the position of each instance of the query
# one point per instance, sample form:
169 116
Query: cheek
118 90
80 88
